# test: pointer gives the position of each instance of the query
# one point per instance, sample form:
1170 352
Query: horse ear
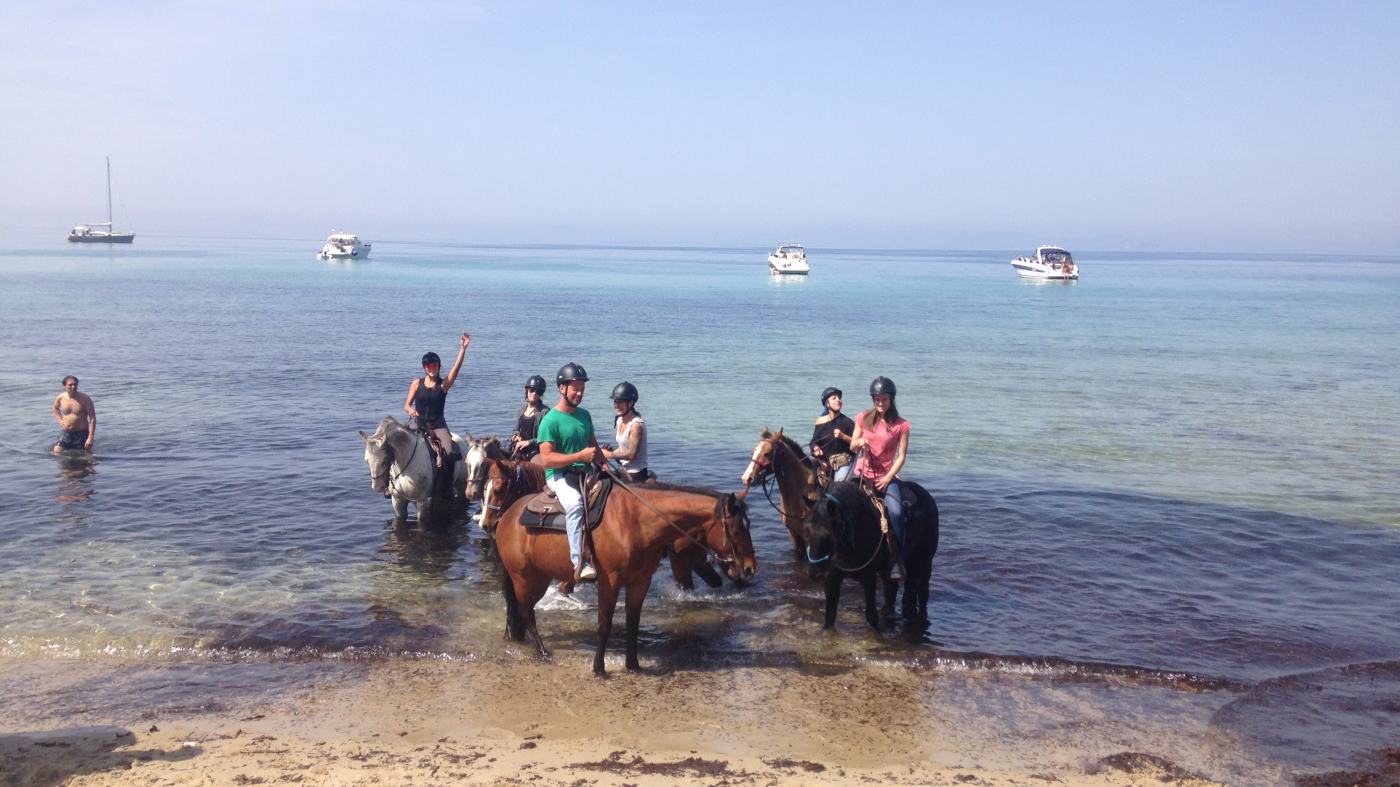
766 434
364 437
779 432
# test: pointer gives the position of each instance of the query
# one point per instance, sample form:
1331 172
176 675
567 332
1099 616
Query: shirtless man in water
76 416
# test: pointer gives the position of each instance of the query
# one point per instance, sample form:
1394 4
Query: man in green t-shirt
567 447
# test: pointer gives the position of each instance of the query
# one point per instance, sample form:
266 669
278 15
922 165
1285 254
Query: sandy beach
531 723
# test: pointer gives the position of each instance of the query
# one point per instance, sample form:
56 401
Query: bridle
740 511
835 540
391 458
766 472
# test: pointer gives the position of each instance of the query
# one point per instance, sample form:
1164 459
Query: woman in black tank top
427 397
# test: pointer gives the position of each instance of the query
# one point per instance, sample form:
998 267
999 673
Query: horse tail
515 623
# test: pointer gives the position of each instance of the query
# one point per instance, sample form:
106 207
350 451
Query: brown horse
508 480
637 526
800 480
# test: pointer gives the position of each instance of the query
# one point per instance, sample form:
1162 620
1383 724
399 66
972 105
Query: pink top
882 445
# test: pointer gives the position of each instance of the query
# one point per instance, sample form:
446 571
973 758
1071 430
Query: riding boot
446 486
896 561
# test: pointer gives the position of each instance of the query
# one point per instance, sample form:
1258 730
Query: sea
1168 490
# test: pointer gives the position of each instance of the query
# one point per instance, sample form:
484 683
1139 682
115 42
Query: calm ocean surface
1178 471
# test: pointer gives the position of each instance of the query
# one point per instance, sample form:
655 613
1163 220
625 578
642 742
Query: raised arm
457 364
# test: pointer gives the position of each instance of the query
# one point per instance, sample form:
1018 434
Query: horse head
819 530
731 541
474 460
761 458
505 482
379 455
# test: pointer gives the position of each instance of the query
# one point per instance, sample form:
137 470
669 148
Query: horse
635 529
508 480
843 537
401 467
474 458
800 482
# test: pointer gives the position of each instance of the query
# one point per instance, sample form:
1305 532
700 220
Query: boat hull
788 266
1031 270
345 255
119 237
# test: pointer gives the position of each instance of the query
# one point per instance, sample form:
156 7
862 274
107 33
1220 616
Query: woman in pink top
882 438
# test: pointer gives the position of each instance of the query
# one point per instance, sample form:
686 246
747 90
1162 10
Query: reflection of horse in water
800 482
401 467
634 529
474 458
843 537
508 480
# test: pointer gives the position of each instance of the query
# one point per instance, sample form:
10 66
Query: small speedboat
1050 263
344 246
789 258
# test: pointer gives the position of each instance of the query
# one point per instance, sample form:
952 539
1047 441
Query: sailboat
101 232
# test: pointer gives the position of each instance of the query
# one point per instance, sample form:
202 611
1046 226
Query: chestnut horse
508 480
799 479
637 526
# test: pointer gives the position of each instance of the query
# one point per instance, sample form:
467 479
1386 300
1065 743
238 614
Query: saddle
543 511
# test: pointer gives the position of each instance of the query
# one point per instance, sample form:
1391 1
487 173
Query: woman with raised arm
427 398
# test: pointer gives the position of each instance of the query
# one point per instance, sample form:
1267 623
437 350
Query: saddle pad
543 510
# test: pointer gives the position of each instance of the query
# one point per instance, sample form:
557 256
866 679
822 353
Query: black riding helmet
882 385
535 383
570 372
624 392
431 358
829 392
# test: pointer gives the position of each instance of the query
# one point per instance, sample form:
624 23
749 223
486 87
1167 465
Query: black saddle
543 511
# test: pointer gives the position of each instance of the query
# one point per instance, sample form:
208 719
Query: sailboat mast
109 193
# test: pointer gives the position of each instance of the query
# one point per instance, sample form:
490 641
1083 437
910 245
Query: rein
850 530
389 473
724 518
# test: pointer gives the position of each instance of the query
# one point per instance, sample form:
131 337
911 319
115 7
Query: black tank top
429 402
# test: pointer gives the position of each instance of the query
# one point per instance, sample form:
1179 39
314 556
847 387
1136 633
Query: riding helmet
431 358
535 383
570 372
624 392
829 392
882 385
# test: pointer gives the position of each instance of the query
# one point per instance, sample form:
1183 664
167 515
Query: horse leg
515 623
833 596
607 605
867 584
708 574
400 508
891 593
530 595
636 594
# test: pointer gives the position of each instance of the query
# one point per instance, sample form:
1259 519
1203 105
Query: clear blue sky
1268 126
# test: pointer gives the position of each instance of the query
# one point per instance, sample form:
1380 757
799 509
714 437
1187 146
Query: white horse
474 461
401 466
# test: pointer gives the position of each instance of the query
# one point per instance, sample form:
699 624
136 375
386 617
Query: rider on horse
567 447
831 437
630 430
427 397
882 437
523 444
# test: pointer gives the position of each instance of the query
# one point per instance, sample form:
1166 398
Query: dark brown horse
508 480
637 526
799 479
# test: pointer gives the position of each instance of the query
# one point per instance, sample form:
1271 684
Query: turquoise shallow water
1179 468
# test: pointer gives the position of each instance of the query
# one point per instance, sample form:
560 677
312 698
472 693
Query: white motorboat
789 258
101 231
344 246
1050 263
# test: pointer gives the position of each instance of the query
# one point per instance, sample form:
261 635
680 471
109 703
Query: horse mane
385 425
694 490
794 445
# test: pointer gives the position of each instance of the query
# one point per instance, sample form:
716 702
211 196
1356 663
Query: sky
1205 126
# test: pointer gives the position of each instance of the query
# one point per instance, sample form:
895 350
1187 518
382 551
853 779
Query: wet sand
427 722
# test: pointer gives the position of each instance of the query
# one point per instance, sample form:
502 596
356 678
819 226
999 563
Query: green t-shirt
569 432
